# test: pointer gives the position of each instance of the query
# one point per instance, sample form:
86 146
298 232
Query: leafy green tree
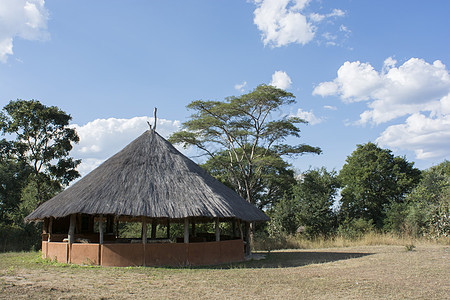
13 179
427 208
315 194
39 137
244 128
276 180
373 179
283 217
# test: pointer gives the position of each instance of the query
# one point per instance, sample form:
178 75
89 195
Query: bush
356 228
20 238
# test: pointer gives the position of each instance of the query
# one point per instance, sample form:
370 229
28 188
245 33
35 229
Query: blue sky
361 70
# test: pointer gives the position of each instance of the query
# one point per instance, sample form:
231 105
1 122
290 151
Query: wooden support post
50 229
241 235
144 230
100 229
154 227
248 249
71 236
117 227
193 228
186 230
168 229
233 228
217 230
45 226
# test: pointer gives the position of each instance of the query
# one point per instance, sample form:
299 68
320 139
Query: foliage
243 128
283 217
13 178
19 237
373 178
42 139
428 205
275 181
355 228
34 166
315 195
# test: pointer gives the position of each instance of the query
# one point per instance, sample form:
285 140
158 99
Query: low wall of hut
124 255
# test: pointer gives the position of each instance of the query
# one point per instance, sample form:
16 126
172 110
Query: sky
362 71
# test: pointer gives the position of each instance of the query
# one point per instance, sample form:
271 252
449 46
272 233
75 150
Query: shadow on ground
288 259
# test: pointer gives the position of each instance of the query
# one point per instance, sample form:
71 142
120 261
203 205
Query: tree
427 207
276 180
315 195
373 179
243 128
39 137
13 179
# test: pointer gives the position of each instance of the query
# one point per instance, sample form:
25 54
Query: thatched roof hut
149 178
148 181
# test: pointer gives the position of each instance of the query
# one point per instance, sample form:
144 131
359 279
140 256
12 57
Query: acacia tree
276 180
373 179
244 128
39 137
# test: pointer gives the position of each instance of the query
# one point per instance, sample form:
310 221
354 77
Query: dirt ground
370 272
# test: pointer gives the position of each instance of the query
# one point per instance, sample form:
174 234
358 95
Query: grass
354 272
369 239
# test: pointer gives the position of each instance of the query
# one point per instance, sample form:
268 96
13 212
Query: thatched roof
149 178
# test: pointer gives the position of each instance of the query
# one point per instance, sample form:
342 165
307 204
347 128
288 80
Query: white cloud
283 22
354 83
308 116
102 138
396 91
330 107
26 19
416 89
240 87
281 80
315 17
428 137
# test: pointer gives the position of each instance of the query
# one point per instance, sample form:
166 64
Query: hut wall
203 253
232 250
44 250
124 255
165 254
87 254
58 251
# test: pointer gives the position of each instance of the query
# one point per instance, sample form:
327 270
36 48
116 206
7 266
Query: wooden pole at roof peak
154 124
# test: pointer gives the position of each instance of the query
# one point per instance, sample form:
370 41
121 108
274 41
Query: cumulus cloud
416 89
283 22
281 80
329 107
240 87
102 138
26 19
308 116
428 137
394 92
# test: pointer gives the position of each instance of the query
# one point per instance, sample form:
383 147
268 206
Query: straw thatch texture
149 178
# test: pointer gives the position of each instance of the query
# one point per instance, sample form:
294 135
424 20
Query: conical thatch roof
149 178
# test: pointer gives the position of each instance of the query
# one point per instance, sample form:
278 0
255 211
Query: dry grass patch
369 272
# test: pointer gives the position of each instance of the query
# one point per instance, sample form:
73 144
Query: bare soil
369 272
